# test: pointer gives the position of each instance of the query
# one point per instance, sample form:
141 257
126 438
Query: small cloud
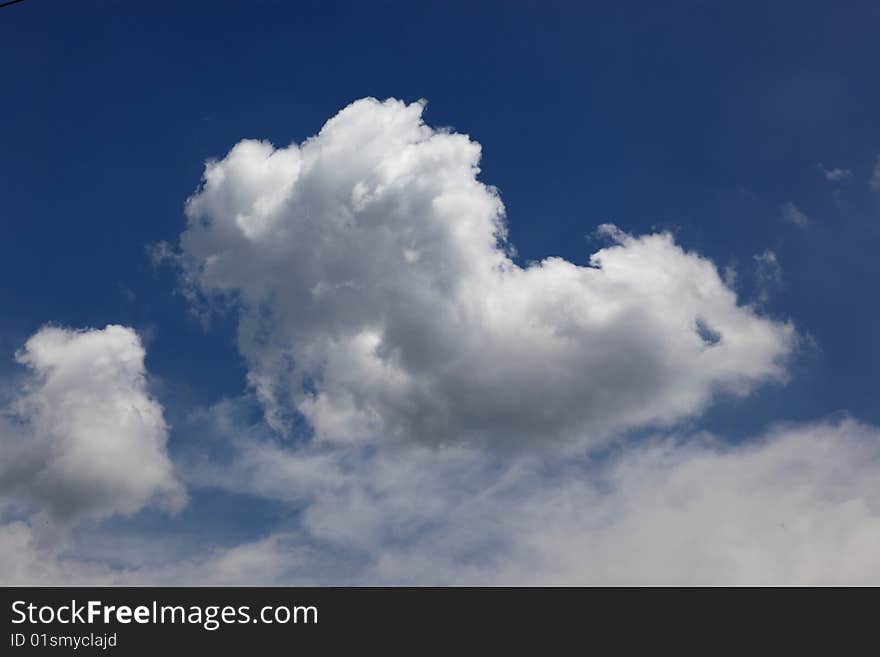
875 176
768 273
161 253
794 215
834 174
87 440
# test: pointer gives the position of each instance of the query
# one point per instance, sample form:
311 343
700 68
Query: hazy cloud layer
799 505
378 298
82 439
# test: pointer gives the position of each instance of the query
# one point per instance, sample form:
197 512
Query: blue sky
701 120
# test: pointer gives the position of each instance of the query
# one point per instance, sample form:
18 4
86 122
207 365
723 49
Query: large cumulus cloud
378 298
82 439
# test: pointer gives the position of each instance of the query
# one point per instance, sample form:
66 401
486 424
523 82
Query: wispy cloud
794 215
768 274
875 176
834 174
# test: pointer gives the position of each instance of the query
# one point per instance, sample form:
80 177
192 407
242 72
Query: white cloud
82 439
794 215
875 176
835 174
378 298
